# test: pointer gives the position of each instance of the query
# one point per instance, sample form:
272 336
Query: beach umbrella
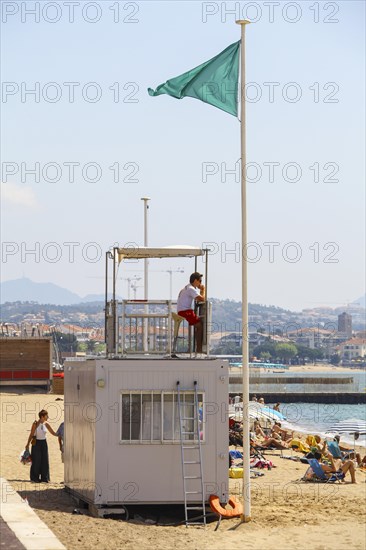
350 426
238 415
256 411
275 415
266 412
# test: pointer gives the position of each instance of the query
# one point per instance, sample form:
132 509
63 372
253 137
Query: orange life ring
237 507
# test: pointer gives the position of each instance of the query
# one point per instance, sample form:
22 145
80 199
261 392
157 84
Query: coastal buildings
353 349
345 324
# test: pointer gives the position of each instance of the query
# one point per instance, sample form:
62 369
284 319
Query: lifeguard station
151 326
148 423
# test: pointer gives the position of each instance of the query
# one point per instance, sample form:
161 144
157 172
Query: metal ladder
191 455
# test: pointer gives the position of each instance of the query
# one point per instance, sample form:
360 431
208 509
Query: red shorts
190 316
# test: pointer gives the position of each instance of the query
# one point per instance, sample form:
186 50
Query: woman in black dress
40 469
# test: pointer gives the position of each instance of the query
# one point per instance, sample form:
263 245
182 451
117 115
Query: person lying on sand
268 442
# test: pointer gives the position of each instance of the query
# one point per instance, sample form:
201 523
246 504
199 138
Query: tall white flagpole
244 274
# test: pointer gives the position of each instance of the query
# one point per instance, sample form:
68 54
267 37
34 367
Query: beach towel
311 441
235 454
300 445
261 463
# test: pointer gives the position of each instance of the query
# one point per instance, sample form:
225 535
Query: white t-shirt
186 297
41 431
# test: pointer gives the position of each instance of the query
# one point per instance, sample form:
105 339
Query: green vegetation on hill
226 316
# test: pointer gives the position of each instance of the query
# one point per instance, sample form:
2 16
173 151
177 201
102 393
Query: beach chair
336 452
334 449
320 475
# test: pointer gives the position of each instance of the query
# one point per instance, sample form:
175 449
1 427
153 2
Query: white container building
130 436
122 440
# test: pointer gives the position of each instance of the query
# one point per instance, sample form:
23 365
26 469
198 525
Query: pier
299 387
320 397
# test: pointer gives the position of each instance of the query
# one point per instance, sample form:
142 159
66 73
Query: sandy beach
323 367
286 513
319 367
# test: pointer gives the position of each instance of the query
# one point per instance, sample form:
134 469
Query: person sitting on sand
347 452
315 443
336 465
284 434
258 428
277 407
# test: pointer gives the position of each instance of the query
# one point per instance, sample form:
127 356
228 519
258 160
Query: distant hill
93 298
361 301
26 290
24 296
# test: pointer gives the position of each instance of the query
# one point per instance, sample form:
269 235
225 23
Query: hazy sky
80 151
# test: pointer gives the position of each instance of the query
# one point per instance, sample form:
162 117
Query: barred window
153 416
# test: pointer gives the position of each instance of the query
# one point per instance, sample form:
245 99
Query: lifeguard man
193 292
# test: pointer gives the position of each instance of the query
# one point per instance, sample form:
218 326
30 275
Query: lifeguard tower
148 423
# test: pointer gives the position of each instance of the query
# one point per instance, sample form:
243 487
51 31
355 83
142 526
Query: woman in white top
40 469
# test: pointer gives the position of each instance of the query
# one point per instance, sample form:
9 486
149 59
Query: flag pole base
245 519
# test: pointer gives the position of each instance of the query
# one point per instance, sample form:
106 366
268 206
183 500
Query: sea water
317 418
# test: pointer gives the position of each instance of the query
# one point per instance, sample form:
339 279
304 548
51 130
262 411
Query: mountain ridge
26 290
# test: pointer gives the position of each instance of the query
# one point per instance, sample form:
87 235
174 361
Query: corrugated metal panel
80 440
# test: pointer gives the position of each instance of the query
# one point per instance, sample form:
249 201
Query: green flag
214 82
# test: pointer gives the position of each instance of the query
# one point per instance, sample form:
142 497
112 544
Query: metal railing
137 318
147 327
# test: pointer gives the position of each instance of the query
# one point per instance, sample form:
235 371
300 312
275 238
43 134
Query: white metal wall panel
142 472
